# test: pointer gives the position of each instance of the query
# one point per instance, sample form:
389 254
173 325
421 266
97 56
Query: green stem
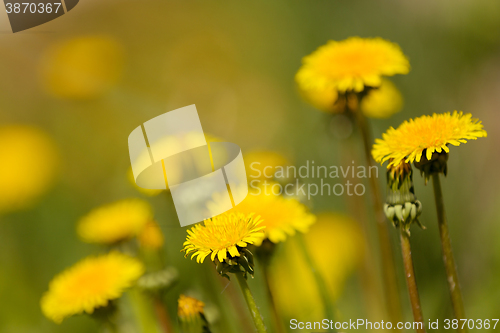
392 297
449 260
278 322
410 280
320 282
162 315
143 310
252 306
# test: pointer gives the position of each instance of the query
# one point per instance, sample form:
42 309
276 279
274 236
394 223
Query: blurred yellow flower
381 102
146 191
28 165
83 67
151 237
115 222
189 307
281 216
322 99
90 284
261 164
351 64
426 133
221 235
336 245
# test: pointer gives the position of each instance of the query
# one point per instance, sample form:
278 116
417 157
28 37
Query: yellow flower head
426 133
90 284
115 222
145 191
151 237
281 216
381 102
336 245
222 234
83 67
28 160
189 307
351 64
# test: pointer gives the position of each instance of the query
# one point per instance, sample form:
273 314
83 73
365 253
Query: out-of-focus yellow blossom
90 284
322 99
146 191
261 164
189 307
115 222
381 102
222 235
83 67
426 133
28 161
336 245
151 237
351 65
281 216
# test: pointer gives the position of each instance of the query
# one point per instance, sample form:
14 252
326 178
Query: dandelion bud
191 315
402 207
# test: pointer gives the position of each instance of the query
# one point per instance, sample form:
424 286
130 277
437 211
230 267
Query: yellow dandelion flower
382 102
189 307
321 98
281 216
115 222
90 284
426 133
145 191
28 165
336 246
221 235
351 64
83 67
151 237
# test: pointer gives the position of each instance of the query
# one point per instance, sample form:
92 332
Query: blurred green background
236 61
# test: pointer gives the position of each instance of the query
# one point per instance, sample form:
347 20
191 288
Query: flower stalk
277 319
252 306
403 209
448 258
162 315
392 297
410 279
264 254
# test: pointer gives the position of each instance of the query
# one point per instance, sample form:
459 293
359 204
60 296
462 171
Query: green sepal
437 164
242 263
